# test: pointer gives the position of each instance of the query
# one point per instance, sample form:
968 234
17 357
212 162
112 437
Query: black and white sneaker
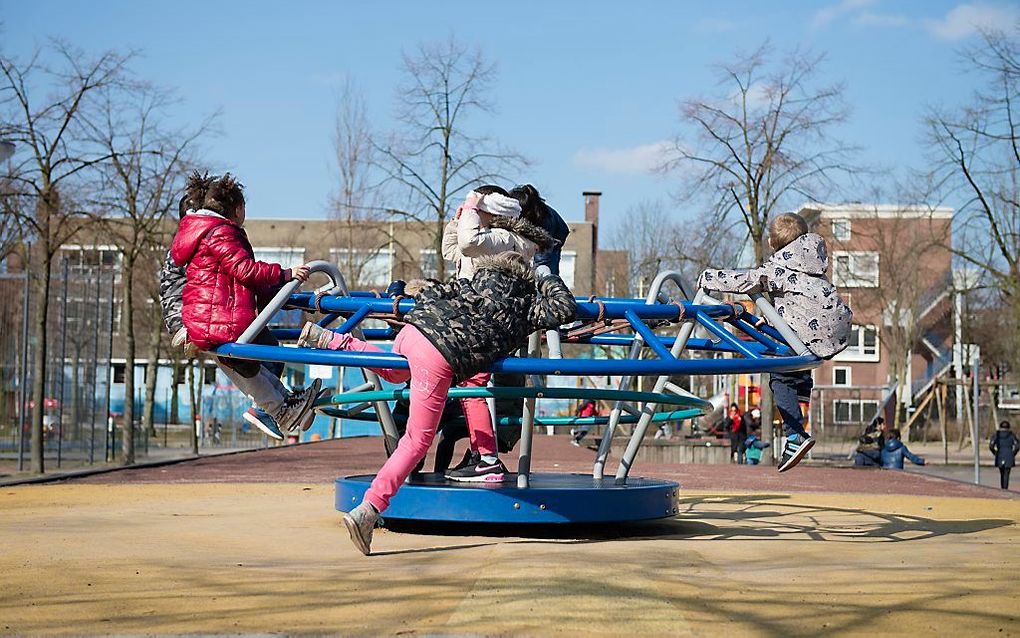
796 448
480 472
471 457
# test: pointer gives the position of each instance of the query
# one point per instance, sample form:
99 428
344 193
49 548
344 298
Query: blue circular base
551 498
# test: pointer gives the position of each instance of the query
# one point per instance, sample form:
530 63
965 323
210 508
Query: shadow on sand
724 517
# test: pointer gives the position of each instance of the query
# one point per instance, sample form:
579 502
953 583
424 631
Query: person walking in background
1004 445
587 409
895 451
738 430
754 446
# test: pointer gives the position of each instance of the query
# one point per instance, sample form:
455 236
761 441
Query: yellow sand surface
266 558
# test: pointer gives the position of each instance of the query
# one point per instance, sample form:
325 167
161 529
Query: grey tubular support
280 299
528 420
648 410
654 294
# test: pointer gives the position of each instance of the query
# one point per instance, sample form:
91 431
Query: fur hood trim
512 263
520 226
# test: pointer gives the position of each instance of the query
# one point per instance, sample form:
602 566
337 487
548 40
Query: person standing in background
1004 445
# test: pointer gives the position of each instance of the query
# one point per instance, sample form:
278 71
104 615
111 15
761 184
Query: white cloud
824 17
627 161
868 19
966 19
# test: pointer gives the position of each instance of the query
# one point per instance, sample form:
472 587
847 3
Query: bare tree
355 208
765 138
43 118
435 157
140 185
976 155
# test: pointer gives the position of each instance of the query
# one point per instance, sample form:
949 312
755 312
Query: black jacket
474 323
1004 445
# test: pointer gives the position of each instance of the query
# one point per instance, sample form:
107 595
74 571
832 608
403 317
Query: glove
396 289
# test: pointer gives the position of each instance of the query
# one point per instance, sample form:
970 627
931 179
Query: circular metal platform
551 498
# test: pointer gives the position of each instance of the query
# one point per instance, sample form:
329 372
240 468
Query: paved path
249 543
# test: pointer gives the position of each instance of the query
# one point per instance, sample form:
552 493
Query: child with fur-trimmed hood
454 334
489 223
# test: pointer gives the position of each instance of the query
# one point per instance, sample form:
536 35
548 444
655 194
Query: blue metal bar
613 308
354 320
725 335
651 339
529 365
754 333
328 319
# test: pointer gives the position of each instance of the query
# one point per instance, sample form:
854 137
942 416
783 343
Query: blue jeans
788 389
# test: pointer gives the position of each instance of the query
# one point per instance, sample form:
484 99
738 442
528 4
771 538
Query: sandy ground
227 558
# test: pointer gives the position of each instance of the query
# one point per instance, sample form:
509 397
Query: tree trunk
127 328
151 376
42 302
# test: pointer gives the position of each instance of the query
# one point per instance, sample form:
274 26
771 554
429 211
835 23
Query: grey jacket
803 296
171 290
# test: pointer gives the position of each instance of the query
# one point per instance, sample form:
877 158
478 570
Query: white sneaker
360 523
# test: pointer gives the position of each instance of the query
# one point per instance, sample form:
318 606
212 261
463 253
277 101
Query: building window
209 374
286 257
863 345
856 269
118 372
853 411
364 268
430 266
841 229
841 376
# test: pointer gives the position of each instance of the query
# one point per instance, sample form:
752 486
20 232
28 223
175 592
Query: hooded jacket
474 323
803 296
223 278
894 452
465 240
1004 445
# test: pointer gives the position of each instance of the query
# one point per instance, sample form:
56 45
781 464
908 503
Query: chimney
591 215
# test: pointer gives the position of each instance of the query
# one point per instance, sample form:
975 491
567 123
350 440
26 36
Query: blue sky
587 90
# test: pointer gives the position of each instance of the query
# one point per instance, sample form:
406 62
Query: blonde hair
784 228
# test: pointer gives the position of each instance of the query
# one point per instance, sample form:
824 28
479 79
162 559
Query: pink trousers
430 377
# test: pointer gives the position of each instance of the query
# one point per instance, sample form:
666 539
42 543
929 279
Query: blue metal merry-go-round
657 332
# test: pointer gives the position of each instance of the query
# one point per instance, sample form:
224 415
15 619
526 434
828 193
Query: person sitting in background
1004 445
895 451
869 447
754 446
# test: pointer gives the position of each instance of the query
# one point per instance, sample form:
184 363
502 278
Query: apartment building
893 267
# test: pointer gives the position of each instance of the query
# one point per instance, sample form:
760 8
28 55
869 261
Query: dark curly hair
533 207
224 196
194 192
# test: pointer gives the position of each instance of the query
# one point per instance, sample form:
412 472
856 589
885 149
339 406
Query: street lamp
6 150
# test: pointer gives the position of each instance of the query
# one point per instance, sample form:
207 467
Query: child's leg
479 419
430 384
786 389
264 387
348 342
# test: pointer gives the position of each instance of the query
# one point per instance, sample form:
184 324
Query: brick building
893 267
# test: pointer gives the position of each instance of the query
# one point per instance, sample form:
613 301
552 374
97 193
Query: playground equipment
736 342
